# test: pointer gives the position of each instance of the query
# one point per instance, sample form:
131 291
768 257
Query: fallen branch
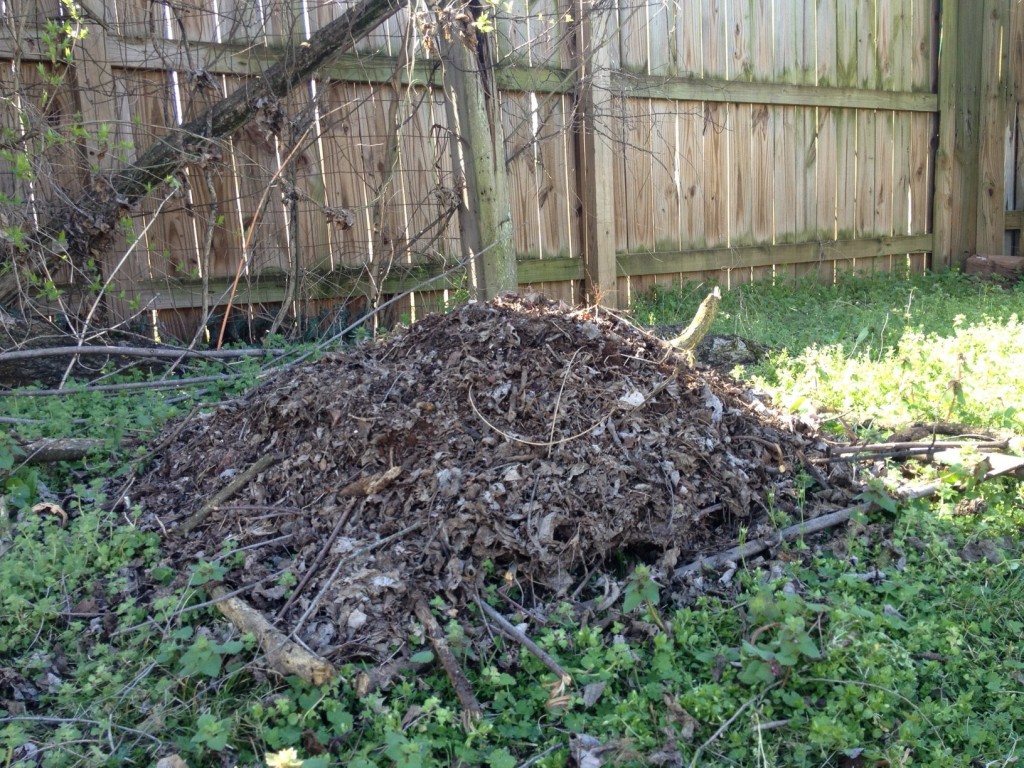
60 449
471 709
283 656
752 548
816 525
920 445
224 494
165 352
510 631
130 385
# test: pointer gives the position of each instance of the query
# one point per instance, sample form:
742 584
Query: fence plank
517 119
691 174
689 59
557 226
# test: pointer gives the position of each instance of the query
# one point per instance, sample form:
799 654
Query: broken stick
224 494
811 526
283 656
471 709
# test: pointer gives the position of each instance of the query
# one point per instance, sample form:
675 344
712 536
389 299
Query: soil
518 443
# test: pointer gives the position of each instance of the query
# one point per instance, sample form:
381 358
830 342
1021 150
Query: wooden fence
646 142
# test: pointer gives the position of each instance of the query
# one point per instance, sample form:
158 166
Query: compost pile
518 442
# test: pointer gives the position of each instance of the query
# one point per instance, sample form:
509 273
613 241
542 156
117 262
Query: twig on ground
558 401
816 525
510 631
471 709
164 352
538 443
225 493
59 449
539 756
752 548
772 725
78 720
315 566
366 683
923 445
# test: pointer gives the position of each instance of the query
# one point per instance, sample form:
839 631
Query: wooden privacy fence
645 141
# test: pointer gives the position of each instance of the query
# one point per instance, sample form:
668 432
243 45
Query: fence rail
724 140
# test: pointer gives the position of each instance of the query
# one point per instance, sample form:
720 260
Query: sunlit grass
877 350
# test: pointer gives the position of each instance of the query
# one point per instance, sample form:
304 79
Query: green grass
877 351
811 664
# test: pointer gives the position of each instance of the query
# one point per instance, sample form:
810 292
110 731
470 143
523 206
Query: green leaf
501 758
632 599
423 657
201 659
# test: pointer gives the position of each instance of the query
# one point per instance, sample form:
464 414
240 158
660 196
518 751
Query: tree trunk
485 218
82 227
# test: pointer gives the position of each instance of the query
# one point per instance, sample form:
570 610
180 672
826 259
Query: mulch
518 443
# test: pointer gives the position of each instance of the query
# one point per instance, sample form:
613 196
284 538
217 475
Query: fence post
969 211
479 150
595 153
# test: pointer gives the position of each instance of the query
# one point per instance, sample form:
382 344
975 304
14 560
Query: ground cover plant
894 641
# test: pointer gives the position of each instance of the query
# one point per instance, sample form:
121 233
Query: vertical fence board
512 38
660 36
665 184
716 202
517 118
691 174
714 37
553 192
639 198
633 44
689 47
741 185
620 143
883 213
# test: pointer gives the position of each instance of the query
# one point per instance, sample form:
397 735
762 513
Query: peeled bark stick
282 654
224 494
471 709
509 630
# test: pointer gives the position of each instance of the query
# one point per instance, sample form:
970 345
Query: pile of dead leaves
517 440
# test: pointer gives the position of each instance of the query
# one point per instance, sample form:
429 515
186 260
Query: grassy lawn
898 641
